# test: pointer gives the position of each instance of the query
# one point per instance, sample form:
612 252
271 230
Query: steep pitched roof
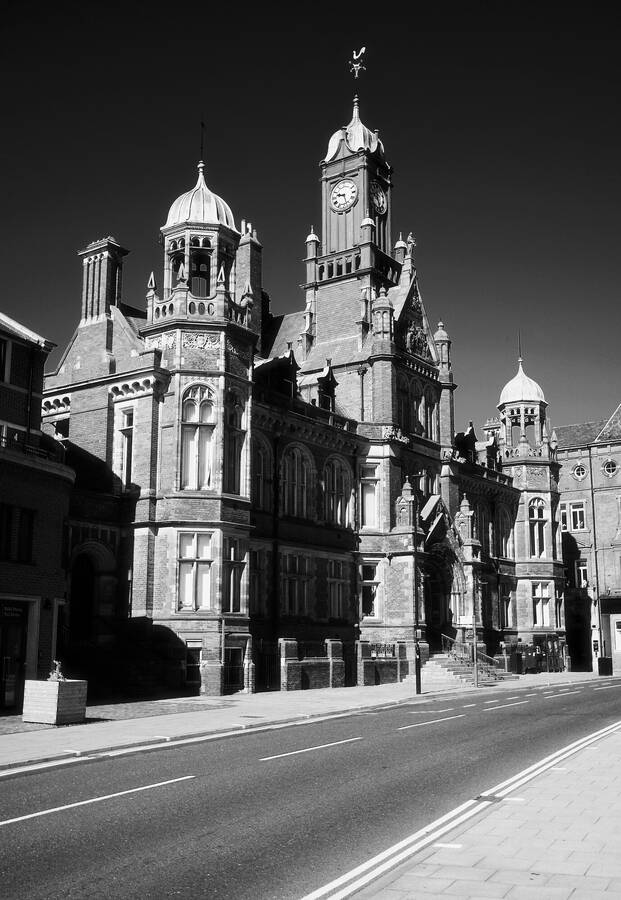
578 435
283 330
612 429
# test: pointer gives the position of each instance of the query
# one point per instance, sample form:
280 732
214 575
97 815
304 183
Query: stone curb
162 742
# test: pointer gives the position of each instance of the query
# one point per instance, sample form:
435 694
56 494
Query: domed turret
521 389
356 136
200 206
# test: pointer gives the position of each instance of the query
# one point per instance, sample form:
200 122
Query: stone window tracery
297 483
536 524
197 428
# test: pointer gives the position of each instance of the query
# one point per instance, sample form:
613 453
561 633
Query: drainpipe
596 566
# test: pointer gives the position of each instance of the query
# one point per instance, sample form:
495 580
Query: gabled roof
612 429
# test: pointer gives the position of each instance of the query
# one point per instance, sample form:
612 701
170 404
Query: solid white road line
505 705
468 705
431 722
47 812
362 875
491 701
309 749
449 846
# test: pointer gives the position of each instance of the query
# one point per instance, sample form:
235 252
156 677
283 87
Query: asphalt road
276 813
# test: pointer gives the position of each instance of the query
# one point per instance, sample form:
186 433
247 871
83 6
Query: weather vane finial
356 64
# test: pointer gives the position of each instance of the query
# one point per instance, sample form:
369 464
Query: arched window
417 412
200 263
297 483
337 480
234 437
261 475
536 525
197 426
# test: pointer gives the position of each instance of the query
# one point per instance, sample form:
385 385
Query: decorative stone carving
166 341
200 340
392 433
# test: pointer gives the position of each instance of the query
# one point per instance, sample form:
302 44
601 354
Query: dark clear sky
505 146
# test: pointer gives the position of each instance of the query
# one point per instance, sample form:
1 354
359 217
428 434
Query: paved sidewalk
116 726
556 838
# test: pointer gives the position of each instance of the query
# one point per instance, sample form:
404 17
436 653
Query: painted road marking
564 694
558 769
513 799
47 812
504 706
431 722
512 698
606 688
468 705
352 882
491 701
449 846
309 749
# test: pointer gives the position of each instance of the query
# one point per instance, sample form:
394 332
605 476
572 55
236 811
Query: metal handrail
463 652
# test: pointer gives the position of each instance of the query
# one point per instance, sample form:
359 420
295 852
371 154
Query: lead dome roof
200 206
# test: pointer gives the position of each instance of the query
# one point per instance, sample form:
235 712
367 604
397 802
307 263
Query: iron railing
462 651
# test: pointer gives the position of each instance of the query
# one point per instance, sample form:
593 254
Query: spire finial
519 347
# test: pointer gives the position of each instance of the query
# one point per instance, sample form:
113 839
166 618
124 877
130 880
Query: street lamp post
417 666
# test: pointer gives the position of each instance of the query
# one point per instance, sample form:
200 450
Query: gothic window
429 416
337 481
541 603
194 571
234 438
536 526
368 496
258 582
483 527
261 475
233 565
370 586
297 483
197 426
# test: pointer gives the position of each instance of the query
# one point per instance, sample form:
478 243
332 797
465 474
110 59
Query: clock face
344 194
378 197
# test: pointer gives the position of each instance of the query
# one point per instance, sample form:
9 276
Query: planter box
55 702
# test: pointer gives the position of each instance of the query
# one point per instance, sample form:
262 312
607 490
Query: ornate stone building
267 501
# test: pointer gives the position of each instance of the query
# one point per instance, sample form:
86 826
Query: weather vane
355 64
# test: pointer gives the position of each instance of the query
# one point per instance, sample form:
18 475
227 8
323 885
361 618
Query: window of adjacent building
337 492
197 426
582 574
536 526
579 472
127 445
610 468
337 588
563 517
261 476
297 483
558 610
577 516
4 360
541 603
194 565
16 533
233 564
296 584
370 586
368 497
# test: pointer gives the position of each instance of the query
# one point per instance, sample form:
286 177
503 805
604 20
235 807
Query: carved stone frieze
166 341
200 340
